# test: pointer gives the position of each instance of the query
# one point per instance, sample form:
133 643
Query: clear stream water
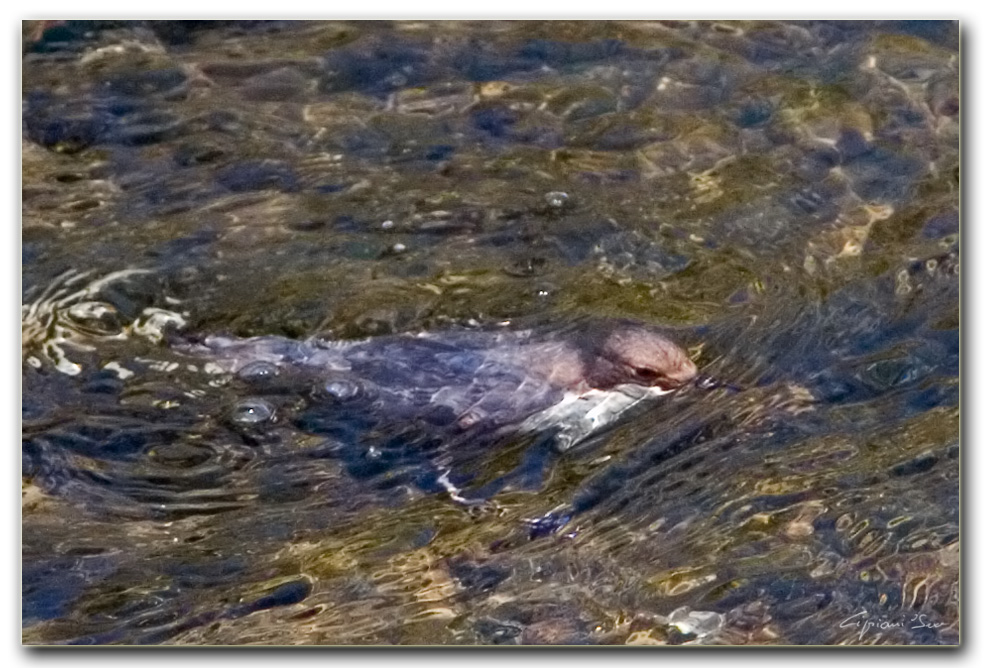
782 197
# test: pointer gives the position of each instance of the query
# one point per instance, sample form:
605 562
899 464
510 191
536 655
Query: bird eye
645 373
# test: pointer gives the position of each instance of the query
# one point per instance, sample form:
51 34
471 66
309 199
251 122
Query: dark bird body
575 381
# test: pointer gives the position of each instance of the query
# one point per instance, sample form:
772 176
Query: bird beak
685 373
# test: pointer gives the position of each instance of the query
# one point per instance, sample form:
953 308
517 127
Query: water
783 197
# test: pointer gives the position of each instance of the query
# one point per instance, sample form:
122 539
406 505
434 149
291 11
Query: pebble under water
781 199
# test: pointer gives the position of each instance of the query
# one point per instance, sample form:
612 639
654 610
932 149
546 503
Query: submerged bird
573 382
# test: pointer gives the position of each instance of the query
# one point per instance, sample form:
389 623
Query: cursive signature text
863 621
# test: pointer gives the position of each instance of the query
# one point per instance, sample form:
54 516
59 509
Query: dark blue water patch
852 145
577 242
838 67
35 409
73 126
905 117
205 572
832 33
105 443
540 136
942 349
176 33
108 384
882 175
148 127
98 430
253 175
379 69
753 113
122 106
477 578
50 586
69 39
423 537
183 33
942 225
477 61
412 154
32 251
875 332
770 48
546 525
816 203
832 388
439 152
614 484
495 120
921 464
225 121
34 458
800 51
933 397
406 454
364 143
618 137
562 54
941 33
288 593
817 163
192 154
280 85
348 223
330 188
59 36
342 428
281 484
188 248
66 131
536 460
795 598
74 36
146 83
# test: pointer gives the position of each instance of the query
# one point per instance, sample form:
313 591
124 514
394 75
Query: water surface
781 196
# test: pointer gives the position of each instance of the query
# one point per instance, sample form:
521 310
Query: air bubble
556 199
342 390
258 372
252 412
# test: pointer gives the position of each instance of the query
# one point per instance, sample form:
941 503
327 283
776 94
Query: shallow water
782 197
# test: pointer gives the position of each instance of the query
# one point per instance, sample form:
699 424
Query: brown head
632 353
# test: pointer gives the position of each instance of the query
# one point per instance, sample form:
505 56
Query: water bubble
556 199
252 411
696 622
342 390
259 372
